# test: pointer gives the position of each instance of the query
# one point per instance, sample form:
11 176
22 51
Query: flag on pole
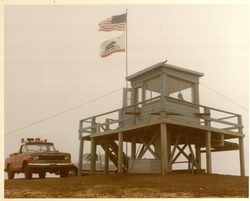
117 22
113 45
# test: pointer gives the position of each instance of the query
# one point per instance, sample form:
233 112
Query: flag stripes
113 23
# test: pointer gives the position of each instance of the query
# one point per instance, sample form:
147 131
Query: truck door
19 158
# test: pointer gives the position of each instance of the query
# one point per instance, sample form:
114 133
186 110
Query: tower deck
188 130
161 115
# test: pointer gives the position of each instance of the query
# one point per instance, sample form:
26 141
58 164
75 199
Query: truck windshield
41 147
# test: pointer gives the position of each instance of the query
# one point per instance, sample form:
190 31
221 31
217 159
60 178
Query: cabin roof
164 65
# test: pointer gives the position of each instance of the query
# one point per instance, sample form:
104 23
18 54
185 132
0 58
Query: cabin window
129 98
152 88
138 94
180 89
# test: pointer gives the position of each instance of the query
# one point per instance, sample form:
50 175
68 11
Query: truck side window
24 149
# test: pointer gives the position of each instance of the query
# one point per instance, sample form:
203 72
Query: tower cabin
161 116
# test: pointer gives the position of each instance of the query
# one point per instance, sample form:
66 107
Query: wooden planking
148 109
143 115
145 166
145 77
201 127
186 111
197 127
182 76
175 71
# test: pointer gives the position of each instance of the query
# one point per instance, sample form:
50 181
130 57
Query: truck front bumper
50 165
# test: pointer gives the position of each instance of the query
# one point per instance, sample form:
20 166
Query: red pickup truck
37 156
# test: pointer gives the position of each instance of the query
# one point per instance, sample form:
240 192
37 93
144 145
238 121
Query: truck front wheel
11 174
27 172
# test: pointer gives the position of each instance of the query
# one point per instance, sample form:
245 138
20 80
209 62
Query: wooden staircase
113 155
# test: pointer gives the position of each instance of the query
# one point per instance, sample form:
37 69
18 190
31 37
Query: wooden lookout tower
162 115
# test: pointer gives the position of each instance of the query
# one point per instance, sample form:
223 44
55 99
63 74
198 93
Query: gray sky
52 63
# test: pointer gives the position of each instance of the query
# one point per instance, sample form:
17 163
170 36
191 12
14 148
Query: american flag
117 22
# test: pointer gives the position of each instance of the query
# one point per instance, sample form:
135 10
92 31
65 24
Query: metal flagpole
126 61
126 47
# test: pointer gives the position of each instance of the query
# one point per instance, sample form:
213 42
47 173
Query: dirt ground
174 185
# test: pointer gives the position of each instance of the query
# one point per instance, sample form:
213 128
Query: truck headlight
35 157
67 157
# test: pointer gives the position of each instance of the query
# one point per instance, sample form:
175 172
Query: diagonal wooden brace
147 146
181 151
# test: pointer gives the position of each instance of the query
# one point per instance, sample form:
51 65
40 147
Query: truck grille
51 157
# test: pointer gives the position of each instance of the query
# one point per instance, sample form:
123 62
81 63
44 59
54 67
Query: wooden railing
110 119
206 116
213 117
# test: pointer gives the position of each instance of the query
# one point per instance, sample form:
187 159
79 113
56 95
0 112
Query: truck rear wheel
73 171
42 175
64 173
27 172
11 174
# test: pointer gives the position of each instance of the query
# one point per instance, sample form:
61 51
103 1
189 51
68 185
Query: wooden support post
241 148
192 155
120 152
208 152
222 140
190 163
169 151
163 80
107 124
93 146
164 151
93 124
198 157
106 147
208 142
121 113
80 155
196 93
133 148
207 112
241 152
80 149
93 156
143 91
